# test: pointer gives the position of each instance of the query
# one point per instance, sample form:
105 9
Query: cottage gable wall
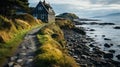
44 12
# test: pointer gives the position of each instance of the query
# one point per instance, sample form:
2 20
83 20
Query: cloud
84 4
83 7
105 1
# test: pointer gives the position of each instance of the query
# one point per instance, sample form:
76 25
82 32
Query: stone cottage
44 12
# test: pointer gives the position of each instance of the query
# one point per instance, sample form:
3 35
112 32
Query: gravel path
26 51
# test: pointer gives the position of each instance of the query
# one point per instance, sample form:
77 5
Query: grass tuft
51 51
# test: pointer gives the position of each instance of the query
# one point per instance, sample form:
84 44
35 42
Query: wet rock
83 65
29 61
106 24
72 40
97 51
79 46
107 39
86 53
103 35
78 30
92 30
30 56
118 56
84 57
107 45
75 56
111 44
71 50
16 65
118 45
91 45
23 47
116 63
95 35
77 51
91 33
70 53
10 64
70 44
112 51
22 54
108 55
117 27
19 60
13 58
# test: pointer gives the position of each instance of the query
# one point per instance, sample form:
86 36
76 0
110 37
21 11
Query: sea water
109 32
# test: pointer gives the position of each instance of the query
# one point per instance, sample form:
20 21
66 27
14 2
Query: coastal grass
9 48
12 32
51 51
64 23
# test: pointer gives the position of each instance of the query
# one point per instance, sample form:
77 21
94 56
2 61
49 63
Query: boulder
13 58
91 45
118 56
19 60
117 27
108 55
103 35
112 51
107 45
107 39
84 57
22 54
106 24
95 35
10 64
111 44
28 61
92 30
75 56
16 65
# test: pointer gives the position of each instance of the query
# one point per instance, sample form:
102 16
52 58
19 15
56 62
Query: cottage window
35 15
42 16
39 8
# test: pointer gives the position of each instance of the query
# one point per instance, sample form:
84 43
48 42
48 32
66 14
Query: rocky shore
79 47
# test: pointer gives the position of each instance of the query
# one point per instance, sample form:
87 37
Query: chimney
44 2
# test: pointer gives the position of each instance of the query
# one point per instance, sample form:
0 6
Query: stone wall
51 18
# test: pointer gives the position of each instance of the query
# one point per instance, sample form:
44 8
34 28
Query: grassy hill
51 51
12 32
69 16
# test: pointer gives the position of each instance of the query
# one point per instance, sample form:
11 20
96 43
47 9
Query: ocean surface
108 31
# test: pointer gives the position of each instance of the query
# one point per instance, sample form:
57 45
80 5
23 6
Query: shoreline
79 49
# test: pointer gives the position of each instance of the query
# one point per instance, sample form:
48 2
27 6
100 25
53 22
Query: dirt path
26 51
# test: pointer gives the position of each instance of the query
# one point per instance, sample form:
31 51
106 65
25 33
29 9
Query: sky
83 8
